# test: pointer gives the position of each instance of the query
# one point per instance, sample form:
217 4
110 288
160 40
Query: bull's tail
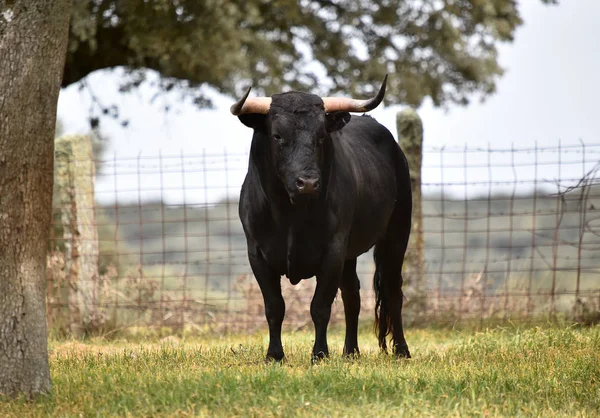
383 325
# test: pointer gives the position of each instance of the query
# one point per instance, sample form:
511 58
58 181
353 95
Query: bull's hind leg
389 257
350 287
270 286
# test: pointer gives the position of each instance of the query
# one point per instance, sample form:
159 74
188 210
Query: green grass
552 371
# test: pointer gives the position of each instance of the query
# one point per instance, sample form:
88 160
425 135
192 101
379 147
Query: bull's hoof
318 357
271 360
352 354
274 358
402 352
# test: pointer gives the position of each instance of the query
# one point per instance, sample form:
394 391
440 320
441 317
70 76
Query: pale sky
549 93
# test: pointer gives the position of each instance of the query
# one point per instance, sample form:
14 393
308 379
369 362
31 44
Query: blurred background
150 162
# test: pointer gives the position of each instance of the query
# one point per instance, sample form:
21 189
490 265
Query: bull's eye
277 138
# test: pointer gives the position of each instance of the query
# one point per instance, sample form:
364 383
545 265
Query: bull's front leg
320 308
270 285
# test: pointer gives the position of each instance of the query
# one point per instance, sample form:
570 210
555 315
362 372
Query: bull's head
298 125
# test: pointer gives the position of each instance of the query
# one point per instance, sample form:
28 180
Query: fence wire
509 234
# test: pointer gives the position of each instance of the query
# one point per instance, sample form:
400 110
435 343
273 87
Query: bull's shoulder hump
366 128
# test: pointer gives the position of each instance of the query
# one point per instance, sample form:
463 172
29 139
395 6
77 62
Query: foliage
443 50
502 372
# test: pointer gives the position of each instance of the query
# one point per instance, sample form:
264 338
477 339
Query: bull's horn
337 104
252 105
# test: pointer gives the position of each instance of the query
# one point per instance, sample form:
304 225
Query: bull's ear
337 120
255 121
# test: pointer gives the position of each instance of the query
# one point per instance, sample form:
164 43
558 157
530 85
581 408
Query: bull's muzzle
307 185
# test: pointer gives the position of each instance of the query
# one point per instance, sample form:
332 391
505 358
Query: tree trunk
410 138
33 40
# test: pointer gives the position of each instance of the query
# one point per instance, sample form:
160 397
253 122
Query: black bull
322 188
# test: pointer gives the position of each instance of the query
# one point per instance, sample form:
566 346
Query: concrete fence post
74 187
410 138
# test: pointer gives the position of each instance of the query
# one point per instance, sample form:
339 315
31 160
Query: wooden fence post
74 186
410 138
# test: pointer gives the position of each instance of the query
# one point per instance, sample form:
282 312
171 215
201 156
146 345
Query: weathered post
410 137
75 172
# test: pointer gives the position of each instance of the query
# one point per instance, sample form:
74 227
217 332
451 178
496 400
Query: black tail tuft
383 321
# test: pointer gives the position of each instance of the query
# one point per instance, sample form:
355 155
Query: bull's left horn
337 104
251 105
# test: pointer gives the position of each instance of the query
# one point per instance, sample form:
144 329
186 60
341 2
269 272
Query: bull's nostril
307 185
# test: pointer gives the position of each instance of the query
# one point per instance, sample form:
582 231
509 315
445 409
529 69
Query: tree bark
33 40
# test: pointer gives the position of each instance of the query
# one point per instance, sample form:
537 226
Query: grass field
511 371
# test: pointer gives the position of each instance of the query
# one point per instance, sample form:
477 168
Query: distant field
500 372
473 249
208 244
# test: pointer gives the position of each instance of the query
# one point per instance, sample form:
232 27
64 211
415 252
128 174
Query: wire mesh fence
509 233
